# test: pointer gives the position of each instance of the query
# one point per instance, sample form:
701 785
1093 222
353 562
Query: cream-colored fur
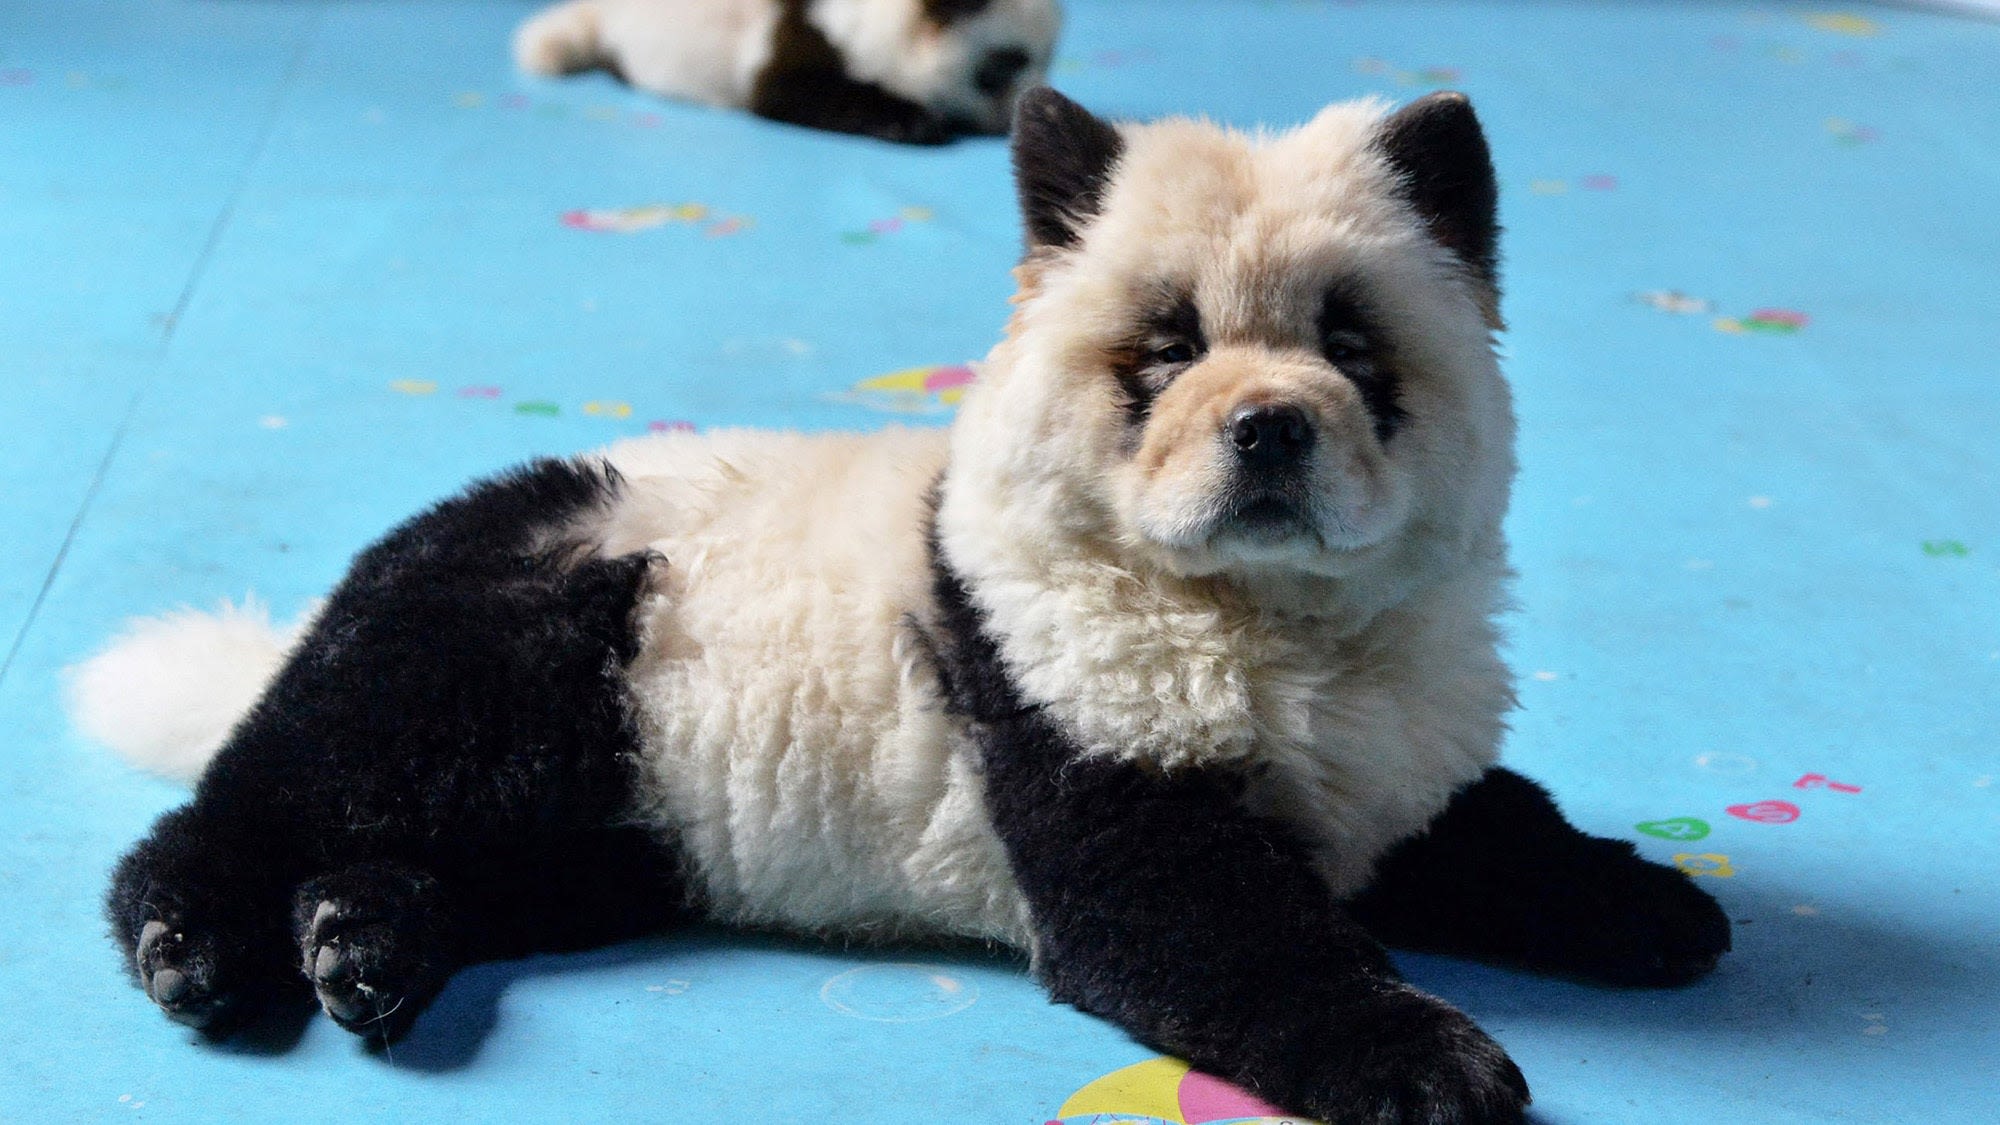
712 51
701 50
166 691
1360 664
794 738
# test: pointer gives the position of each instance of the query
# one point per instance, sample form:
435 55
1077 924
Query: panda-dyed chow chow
1171 663
918 71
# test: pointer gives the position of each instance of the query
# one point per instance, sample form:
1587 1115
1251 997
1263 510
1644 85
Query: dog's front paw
1640 923
1412 1059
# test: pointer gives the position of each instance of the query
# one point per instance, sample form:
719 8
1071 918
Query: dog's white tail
166 692
560 40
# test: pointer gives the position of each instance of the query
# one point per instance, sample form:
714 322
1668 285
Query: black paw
1412 1059
184 971
370 972
1643 924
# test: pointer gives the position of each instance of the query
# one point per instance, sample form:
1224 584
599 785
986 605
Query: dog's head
967 60
1261 357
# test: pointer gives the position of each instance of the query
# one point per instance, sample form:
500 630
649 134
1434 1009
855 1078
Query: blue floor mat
272 275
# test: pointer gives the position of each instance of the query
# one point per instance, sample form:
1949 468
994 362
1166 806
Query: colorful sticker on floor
1849 133
1596 182
413 387
1765 812
1674 301
1674 828
1166 1091
1771 322
898 993
670 426
631 220
1821 781
538 408
1725 763
1844 23
879 228
913 390
1945 549
1704 864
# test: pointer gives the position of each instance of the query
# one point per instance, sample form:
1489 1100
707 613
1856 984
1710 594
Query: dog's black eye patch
1166 342
944 13
1351 342
996 73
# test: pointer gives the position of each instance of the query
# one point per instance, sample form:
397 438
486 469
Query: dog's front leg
1160 904
1501 874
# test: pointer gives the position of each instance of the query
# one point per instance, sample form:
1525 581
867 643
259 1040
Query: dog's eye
1345 347
1173 355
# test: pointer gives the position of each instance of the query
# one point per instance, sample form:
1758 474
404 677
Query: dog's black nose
996 72
1267 437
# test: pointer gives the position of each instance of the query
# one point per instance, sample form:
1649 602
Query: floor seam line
196 273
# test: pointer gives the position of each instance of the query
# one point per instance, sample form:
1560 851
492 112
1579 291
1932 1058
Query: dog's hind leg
197 909
377 941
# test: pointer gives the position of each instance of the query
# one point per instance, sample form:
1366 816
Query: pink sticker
886 226
665 427
1820 781
514 101
1599 182
953 375
479 392
1207 1098
646 120
1766 812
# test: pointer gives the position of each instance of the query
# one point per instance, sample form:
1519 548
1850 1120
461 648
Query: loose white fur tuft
167 691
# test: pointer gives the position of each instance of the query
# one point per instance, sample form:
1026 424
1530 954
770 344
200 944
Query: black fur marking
448 760
1144 365
1161 905
1351 340
944 13
1500 874
1063 159
1438 147
806 82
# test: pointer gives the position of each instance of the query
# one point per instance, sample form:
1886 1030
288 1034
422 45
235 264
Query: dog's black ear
1436 145
1063 156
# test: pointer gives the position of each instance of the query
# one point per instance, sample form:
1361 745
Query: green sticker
1946 549
545 409
1677 828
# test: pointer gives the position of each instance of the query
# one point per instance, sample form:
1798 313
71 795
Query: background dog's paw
1645 924
1412 1059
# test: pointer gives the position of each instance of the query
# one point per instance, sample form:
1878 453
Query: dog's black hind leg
377 941
1500 874
196 909
446 769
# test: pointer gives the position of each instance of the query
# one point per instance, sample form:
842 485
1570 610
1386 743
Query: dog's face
1253 355
967 60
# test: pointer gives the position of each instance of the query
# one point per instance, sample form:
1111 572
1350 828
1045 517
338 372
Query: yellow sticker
1704 863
